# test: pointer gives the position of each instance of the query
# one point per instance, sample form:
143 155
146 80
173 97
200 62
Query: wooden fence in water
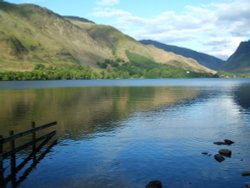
37 143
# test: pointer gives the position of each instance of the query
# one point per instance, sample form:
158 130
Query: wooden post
33 124
33 137
13 160
1 164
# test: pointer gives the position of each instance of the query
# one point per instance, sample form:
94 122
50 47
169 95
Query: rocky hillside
240 60
30 34
202 58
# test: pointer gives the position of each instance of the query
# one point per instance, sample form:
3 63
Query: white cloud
108 2
216 28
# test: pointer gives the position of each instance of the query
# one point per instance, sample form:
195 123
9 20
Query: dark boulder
245 173
154 184
228 142
220 143
219 158
247 185
225 152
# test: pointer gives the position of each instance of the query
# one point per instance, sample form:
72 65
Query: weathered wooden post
33 124
1 162
13 159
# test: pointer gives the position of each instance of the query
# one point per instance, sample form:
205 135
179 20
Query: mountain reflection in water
112 136
81 110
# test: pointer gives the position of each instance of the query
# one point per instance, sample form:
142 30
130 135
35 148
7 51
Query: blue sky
215 27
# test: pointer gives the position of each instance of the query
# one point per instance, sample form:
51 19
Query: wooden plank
13 159
33 125
1 165
21 134
25 161
34 164
5 155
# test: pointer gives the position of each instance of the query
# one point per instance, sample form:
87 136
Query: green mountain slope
31 35
203 59
240 60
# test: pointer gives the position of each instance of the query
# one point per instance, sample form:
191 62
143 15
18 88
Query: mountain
203 59
240 60
31 35
76 18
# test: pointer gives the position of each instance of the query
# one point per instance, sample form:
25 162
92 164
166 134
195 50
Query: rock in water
219 158
204 153
225 152
247 185
219 143
228 142
245 173
154 184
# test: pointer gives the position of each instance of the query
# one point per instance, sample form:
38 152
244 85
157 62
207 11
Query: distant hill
202 58
240 60
31 35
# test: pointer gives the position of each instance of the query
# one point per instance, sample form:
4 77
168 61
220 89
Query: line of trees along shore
109 69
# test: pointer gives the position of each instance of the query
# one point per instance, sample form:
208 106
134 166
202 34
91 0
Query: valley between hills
38 44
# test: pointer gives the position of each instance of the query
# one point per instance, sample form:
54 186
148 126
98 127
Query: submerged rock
219 158
220 143
204 153
225 152
247 185
245 173
228 142
154 184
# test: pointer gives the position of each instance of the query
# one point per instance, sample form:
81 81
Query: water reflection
82 110
127 136
15 167
242 96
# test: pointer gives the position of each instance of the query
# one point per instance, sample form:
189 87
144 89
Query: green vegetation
224 74
139 67
30 34
41 72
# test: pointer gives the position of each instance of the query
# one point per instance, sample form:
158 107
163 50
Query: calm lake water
125 133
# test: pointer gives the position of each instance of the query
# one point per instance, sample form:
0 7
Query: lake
126 133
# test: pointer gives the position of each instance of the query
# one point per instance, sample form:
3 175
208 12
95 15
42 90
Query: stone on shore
225 152
154 184
219 158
